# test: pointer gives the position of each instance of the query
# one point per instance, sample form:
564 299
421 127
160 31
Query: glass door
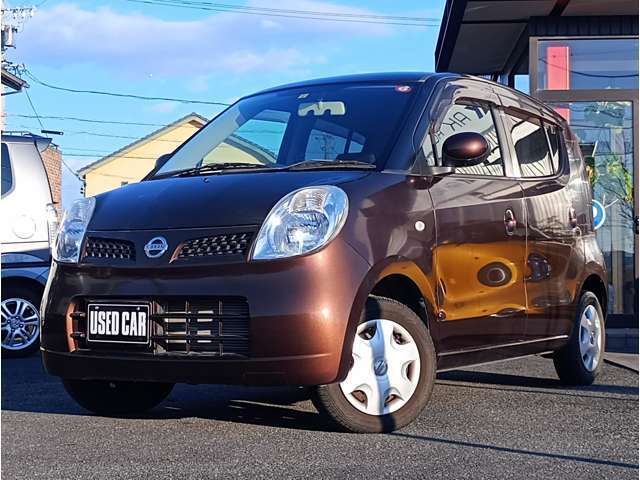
593 83
605 131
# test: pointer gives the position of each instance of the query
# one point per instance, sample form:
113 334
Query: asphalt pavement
509 420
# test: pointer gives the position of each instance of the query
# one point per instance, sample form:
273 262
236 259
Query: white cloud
163 107
139 44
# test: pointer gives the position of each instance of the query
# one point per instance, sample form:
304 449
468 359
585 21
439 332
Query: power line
107 135
73 172
26 91
121 95
133 157
87 120
303 12
332 17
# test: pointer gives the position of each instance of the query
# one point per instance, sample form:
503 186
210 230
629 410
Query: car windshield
344 124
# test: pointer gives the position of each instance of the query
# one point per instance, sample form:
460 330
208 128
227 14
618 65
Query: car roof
24 137
382 77
407 77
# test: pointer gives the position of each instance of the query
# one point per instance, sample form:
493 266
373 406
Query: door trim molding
503 345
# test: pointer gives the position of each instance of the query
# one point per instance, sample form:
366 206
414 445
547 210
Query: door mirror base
438 171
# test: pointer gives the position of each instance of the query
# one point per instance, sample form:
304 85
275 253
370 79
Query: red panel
558 67
565 112
558 73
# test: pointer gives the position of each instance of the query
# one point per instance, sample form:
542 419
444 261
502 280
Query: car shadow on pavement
491 379
517 451
27 388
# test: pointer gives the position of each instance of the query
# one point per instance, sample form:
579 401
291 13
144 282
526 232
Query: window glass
328 140
604 133
588 63
530 142
7 174
319 122
471 118
258 140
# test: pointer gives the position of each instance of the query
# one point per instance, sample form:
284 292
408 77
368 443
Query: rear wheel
392 372
580 361
20 321
106 397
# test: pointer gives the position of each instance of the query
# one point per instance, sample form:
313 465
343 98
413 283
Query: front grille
208 325
109 248
214 326
223 244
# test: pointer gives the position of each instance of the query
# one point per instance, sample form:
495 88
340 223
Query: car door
554 256
480 235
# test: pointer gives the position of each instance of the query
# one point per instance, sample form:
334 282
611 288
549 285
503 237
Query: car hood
218 200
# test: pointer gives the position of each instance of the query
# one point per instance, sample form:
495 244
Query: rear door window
530 144
7 174
476 118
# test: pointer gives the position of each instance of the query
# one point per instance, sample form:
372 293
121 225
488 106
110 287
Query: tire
114 398
351 404
20 321
574 364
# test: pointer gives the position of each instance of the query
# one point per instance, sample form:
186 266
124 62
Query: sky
132 47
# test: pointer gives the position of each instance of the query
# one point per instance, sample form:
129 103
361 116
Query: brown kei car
355 234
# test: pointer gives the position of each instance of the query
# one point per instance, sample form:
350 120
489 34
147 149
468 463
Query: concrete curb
628 361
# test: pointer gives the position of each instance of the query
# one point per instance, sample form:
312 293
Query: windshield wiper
216 167
330 164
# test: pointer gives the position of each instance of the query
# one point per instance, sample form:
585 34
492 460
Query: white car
27 229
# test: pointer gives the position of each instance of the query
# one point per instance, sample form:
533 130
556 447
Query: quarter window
530 143
553 132
472 118
7 174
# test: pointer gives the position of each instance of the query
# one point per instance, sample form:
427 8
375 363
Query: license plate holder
118 323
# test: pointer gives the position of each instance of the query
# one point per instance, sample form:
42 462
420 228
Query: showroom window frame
593 95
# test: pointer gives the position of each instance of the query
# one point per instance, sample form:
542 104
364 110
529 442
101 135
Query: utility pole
13 20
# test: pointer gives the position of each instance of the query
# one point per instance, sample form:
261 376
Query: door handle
510 222
573 217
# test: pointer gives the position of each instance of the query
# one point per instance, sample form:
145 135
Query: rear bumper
300 311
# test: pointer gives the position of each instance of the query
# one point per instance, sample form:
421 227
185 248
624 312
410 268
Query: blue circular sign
599 214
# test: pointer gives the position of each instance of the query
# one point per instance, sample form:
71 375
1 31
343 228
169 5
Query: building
52 159
580 56
132 162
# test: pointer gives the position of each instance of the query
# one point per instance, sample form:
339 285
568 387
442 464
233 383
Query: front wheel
392 372
20 321
106 397
580 361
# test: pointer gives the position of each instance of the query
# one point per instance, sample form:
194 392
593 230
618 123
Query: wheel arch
389 278
23 282
595 284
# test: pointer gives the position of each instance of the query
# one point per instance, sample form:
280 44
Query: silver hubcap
385 370
20 323
590 338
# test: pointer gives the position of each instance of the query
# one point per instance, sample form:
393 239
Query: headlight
72 230
302 222
52 224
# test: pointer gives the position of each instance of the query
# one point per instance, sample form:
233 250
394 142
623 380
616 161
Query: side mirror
162 159
464 149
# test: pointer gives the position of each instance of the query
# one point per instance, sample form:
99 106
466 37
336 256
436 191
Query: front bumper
300 311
